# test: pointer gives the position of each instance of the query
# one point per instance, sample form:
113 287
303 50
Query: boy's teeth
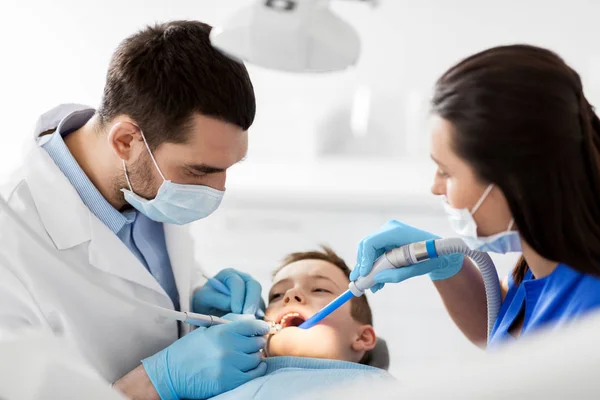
286 316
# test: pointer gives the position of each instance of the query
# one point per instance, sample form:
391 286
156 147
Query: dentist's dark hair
165 73
521 121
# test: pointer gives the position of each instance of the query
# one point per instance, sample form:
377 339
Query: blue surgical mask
174 203
464 225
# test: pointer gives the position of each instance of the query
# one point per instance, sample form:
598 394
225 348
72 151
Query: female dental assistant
517 147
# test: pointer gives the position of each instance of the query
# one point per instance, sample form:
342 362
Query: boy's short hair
360 309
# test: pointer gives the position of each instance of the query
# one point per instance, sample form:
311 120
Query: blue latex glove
244 295
395 234
209 361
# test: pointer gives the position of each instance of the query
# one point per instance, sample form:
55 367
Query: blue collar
561 274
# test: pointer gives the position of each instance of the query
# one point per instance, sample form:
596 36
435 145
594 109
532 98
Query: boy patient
303 285
338 350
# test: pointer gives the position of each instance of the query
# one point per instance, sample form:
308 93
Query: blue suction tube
415 253
328 309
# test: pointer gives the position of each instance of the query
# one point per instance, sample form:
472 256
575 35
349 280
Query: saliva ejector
415 253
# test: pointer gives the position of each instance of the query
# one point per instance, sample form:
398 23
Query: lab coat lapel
69 222
63 214
108 253
181 254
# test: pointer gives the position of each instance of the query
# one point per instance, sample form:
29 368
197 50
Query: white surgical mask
464 225
174 203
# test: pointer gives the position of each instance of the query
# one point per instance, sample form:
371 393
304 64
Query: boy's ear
365 340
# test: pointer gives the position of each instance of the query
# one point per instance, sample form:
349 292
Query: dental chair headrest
380 355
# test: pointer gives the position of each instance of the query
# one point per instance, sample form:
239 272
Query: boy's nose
293 296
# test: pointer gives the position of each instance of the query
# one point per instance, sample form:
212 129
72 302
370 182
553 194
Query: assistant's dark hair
163 74
523 123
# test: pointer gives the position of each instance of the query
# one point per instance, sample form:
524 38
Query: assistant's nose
294 296
439 186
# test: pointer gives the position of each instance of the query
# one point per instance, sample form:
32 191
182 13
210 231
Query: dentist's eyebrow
209 169
205 169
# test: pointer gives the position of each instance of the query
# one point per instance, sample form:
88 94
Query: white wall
293 193
58 51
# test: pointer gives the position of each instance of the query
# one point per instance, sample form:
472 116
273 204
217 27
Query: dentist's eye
441 173
195 174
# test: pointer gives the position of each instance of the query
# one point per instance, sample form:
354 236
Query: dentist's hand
395 234
244 295
209 361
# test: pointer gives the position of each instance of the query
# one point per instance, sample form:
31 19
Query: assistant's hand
395 234
209 361
244 297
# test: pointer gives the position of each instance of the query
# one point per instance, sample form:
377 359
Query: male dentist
110 189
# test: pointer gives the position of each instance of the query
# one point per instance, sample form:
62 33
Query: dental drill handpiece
399 257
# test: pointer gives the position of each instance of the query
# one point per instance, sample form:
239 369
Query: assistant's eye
321 290
441 173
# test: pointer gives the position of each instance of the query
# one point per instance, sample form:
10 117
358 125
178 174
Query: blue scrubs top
555 300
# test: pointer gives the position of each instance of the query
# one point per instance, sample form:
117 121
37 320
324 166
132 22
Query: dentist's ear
121 137
365 340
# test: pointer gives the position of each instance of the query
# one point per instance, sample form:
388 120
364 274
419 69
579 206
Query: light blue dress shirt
144 237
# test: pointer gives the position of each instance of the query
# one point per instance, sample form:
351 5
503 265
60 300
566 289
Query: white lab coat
41 367
40 293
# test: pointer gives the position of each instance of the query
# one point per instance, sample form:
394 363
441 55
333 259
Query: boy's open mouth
291 319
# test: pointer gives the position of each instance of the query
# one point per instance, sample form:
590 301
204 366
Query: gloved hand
395 234
209 361
244 297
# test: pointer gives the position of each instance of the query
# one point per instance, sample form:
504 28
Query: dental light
290 35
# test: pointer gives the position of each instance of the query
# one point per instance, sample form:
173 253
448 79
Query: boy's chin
298 342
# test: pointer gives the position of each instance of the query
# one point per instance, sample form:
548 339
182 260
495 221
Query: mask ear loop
510 225
482 198
123 161
127 176
150 152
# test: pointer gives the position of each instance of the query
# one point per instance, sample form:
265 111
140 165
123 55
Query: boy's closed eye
275 296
